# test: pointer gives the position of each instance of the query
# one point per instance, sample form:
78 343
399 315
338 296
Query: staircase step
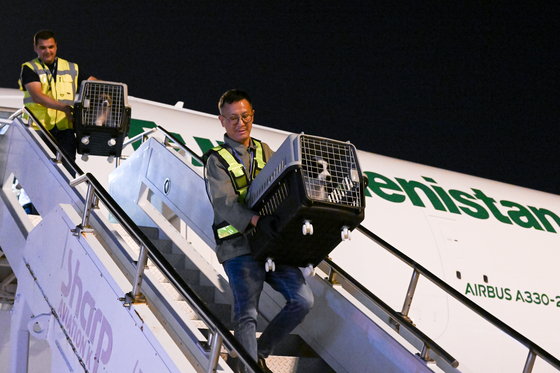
172 292
292 364
294 345
221 310
191 276
288 364
293 355
185 307
164 246
151 232
176 260
206 293
223 313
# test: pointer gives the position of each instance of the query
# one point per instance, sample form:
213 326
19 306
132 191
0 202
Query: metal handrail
534 349
400 320
16 114
233 345
214 324
220 334
59 153
138 137
168 136
180 144
4 122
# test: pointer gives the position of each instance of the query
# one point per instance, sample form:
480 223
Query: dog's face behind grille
103 104
318 178
330 171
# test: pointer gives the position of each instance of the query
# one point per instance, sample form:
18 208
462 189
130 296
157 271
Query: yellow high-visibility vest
239 179
62 89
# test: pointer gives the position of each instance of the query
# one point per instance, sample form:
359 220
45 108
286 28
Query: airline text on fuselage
474 203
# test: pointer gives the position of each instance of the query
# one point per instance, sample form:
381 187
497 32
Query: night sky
465 86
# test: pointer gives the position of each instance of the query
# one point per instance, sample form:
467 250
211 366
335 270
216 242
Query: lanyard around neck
48 72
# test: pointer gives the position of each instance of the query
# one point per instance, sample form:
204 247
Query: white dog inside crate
322 186
318 179
104 110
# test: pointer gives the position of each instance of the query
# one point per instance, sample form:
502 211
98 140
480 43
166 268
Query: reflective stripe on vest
62 89
239 179
237 172
226 231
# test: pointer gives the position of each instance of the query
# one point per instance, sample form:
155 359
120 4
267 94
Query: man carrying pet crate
230 168
50 84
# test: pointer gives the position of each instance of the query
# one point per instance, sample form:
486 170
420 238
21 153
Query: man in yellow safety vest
50 84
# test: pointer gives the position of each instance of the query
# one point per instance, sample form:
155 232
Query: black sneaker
262 365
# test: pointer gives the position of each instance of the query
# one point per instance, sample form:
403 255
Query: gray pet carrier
102 118
315 187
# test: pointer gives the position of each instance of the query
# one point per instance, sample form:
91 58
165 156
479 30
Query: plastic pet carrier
315 187
102 118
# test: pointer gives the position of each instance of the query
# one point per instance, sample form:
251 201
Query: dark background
467 86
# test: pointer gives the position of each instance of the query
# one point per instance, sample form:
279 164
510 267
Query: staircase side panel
171 179
83 291
346 338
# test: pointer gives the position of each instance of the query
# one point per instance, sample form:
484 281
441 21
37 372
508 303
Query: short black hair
233 95
43 35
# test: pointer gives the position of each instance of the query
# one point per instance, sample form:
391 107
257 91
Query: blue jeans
246 279
30 209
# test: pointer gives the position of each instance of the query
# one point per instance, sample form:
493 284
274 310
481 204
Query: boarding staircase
293 355
127 280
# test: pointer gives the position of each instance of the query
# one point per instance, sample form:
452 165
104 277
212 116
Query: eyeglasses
245 117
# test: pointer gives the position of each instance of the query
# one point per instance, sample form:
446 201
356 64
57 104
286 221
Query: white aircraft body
496 244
